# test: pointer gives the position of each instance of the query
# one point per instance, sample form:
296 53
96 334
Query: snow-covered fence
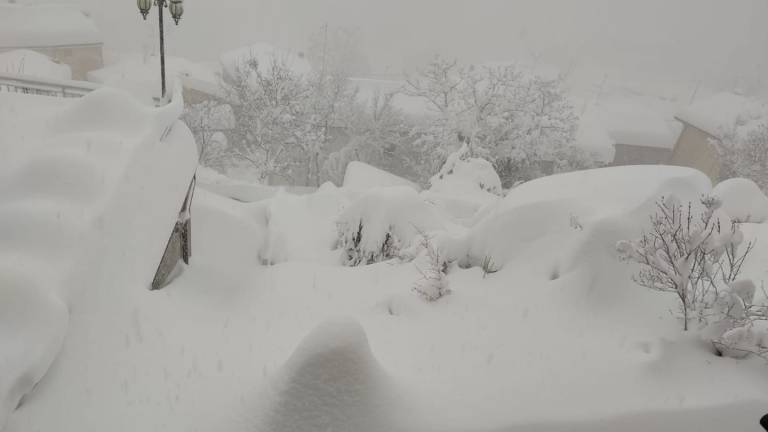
44 86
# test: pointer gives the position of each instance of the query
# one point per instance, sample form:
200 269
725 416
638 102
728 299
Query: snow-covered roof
265 54
720 112
25 26
31 63
635 125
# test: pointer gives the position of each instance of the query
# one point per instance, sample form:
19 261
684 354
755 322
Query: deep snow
558 339
72 174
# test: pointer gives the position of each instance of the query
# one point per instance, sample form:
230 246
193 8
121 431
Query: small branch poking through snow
433 284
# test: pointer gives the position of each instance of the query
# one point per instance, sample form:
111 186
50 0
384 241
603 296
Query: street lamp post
176 8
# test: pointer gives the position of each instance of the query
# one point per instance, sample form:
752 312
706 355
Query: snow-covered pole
176 8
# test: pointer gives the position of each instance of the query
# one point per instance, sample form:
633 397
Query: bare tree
209 122
694 258
744 153
521 122
274 127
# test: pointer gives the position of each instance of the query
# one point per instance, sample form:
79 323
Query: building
704 124
640 135
64 33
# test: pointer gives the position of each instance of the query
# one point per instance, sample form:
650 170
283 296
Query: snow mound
239 190
464 185
362 176
377 225
265 54
742 200
463 174
73 174
235 244
31 63
303 227
557 213
332 382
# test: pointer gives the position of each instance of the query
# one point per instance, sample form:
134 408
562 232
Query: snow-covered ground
72 175
558 339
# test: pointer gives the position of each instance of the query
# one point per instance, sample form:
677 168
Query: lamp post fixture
176 8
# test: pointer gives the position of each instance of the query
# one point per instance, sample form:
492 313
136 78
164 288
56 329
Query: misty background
657 43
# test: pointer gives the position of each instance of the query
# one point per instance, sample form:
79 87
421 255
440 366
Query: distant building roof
719 113
33 26
636 125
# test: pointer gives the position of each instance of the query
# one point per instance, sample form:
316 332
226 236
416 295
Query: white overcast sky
718 41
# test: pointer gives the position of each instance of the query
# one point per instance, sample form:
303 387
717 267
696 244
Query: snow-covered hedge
382 221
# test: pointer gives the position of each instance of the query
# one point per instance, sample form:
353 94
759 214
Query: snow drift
73 175
332 382
742 200
361 176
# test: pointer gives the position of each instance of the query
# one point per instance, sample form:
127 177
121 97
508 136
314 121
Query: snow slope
558 339
72 174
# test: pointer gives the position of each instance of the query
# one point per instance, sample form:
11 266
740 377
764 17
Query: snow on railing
45 86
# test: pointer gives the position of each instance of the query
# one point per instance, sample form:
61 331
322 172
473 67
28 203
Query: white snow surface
72 174
631 123
333 382
559 339
45 25
742 200
361 176
31 63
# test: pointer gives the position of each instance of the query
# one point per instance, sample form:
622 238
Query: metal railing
44 86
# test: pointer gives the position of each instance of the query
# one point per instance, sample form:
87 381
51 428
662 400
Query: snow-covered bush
700 260
733 330
433 284
380 223
692 256
465 174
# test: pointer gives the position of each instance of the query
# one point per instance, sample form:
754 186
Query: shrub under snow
381 222
463 173
689 254
433 284
699 258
